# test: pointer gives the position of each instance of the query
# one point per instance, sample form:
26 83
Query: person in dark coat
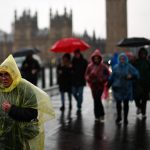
96 75
122 86
142 86
30 69
64 72
79 64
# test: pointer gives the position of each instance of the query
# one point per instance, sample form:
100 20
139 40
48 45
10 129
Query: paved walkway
72 131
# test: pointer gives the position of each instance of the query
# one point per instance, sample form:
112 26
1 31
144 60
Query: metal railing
48 80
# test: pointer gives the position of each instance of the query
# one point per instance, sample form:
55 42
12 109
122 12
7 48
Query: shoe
144 117
125 122
138 111
118 121
79 110
139 116
102 119
62 108
97 119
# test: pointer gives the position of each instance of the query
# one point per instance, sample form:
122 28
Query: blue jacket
122 86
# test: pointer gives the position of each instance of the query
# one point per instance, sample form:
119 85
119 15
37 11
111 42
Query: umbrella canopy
25 51
68 45
133 42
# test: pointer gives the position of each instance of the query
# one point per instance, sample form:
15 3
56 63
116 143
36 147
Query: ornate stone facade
27 34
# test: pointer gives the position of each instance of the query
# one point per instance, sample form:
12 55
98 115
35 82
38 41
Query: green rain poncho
17 135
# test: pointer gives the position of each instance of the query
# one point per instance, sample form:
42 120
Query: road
73 131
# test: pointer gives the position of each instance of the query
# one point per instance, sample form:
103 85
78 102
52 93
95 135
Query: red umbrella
68 45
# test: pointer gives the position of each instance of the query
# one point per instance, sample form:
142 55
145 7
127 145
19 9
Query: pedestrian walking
121 82
114 60
142 85
24 109
79 64
30 69
96 75
64 74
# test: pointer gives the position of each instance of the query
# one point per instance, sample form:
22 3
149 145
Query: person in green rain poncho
24 108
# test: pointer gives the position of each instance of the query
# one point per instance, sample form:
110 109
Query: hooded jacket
17 129
121 85
143 66
97 75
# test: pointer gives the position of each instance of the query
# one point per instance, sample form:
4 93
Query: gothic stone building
26 34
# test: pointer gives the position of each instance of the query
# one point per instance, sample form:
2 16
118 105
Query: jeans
78 94
62 94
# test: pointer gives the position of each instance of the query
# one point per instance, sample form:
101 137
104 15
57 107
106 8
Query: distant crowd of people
128 79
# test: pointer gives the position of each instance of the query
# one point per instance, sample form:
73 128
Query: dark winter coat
78 71
142 86
64 74
27 70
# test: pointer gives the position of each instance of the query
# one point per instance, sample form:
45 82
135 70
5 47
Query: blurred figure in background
30 69
79 64
122 86
114 60
142 86
131 57
96 75
64 71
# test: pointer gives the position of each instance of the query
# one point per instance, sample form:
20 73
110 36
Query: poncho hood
96 53
9 65
123 55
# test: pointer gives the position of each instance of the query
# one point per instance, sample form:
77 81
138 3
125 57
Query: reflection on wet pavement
72 130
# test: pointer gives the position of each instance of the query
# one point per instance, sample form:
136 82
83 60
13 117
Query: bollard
43 77
51 75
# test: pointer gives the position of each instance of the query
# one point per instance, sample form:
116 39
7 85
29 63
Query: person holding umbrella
142 86
79 64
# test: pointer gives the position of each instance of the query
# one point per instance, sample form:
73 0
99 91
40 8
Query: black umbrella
133 42
25 51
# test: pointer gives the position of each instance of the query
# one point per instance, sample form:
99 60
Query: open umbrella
68 45
133 42
25 51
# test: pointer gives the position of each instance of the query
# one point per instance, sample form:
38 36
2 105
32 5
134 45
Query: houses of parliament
26 34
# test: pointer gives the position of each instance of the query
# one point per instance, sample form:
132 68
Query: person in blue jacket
121 82
114 60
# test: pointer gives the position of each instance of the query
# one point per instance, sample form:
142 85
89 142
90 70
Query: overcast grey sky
87 14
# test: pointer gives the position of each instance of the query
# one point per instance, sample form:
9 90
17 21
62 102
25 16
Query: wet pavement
79 131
